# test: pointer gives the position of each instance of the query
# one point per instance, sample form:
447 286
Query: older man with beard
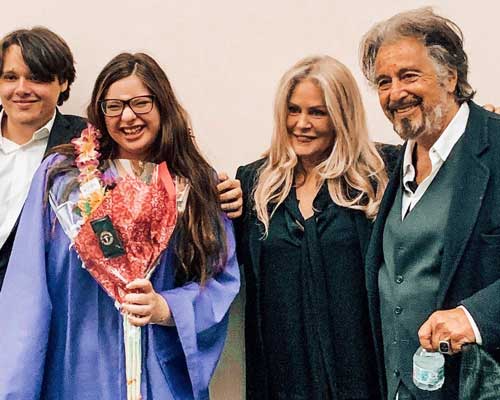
433 265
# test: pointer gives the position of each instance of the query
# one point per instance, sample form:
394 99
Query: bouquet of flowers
120 227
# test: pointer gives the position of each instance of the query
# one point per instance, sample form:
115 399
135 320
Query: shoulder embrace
248 173
493 121
489 121
74 121
390 154
52 160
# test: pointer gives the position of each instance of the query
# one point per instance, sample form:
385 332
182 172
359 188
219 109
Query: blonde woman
308 206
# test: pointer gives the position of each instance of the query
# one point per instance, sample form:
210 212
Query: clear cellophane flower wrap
143 216
142 208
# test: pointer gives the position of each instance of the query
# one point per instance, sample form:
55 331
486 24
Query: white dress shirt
18 164
438 154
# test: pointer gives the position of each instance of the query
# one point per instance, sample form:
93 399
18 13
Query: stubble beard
412 128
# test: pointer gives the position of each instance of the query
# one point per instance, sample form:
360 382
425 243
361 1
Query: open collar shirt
438 154
18 163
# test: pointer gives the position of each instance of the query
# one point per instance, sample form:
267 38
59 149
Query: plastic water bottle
428 369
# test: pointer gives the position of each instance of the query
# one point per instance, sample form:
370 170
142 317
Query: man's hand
492 108
230 195
452 325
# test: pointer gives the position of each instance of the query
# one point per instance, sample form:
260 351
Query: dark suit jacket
64 129
470 270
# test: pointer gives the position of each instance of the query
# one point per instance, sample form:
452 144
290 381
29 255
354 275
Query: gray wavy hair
441 36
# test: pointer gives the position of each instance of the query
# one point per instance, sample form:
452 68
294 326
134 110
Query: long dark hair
200 240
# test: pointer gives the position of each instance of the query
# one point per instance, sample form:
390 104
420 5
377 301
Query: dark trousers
404 393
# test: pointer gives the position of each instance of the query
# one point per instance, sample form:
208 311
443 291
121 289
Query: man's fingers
439 333
229 185
235 214
425 335
223 176
231 195
231 204
450 325
492 108
431 332
223 186
225 183
229 207
456 346
425 342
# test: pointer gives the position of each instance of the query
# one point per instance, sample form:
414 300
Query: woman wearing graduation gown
62 337
308 207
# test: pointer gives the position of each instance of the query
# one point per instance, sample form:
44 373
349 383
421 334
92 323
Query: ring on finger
445 347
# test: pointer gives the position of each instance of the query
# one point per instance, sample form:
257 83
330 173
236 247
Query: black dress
307 327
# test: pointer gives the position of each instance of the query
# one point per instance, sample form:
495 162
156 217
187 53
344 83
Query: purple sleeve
201 317
25 304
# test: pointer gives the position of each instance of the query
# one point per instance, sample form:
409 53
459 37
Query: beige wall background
224 59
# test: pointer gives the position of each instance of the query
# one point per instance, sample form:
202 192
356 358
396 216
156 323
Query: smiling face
415 99
26 101
308 123
133 133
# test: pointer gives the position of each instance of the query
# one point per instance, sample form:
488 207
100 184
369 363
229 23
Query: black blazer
64 129
470 270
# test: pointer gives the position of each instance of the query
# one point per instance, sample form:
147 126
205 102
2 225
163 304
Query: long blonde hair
354 170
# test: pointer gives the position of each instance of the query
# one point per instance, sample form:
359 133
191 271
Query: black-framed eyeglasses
138 104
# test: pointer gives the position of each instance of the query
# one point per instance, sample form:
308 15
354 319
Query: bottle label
426 376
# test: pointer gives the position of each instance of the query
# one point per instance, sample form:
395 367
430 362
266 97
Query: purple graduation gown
61 336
